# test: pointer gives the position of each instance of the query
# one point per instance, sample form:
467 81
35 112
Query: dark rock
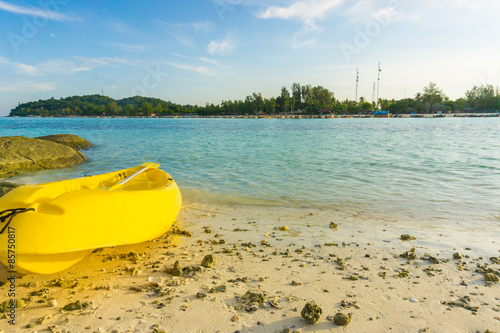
463 302
208 261
342 319
158 330
491 277
6 306
6 187
69 140
20 155
76 306
201 295
407 237
219 289
251 297
311 312
409 255
177 270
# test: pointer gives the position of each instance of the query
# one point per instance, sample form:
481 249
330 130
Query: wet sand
270 262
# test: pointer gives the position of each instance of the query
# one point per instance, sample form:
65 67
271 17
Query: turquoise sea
445 169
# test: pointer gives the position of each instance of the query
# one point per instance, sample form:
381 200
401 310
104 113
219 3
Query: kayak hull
72 218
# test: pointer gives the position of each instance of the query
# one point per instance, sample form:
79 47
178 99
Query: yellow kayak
49 227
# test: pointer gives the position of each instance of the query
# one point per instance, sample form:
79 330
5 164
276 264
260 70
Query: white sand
367 244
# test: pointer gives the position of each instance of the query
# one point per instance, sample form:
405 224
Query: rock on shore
6 187
70 140
20 155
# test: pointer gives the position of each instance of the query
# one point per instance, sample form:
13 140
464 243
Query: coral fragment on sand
76 306
311 312
208 261
342 319
491 277
407 237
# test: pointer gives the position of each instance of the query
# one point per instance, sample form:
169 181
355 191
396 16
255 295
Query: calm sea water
445 169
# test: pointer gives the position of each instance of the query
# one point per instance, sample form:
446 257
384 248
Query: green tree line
306 98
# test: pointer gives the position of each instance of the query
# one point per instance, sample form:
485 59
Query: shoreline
281 116
289 255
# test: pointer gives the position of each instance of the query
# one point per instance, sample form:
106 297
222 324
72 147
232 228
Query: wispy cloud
307 35
211 62
308 12
35 11
186 32
25 69
96 62
120 27
64 66
131 47
222 47
201 65
304 10
456 12
198 69
27 86
198 59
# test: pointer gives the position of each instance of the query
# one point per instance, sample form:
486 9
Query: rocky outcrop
70 140
20 155
6 187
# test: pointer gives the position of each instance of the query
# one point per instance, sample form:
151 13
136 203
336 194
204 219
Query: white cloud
307 35
34 11
26 69
28 86
105 61
186 32
202 26
120 27
130 47
306 11
210 61
303 10
198 69
443 12
200 65
223 47
66 67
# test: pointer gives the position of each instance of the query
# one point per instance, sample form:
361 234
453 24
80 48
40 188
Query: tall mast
357 81
378 84
373 96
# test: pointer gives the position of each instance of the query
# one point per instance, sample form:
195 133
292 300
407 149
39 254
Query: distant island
300 100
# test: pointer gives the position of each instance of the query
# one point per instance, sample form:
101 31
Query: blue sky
198 51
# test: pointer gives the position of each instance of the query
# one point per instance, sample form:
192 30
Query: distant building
293 113
323 112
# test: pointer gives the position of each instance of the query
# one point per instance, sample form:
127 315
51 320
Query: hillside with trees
306 98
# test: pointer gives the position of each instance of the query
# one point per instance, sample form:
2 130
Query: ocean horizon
445 170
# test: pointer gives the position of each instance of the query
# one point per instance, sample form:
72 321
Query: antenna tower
373 96
378 84
357 81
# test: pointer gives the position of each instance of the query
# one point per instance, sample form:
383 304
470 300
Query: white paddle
147 165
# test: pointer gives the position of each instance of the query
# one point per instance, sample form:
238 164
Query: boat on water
49 227
381 114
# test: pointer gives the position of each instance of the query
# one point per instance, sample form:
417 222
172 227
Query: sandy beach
269 262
